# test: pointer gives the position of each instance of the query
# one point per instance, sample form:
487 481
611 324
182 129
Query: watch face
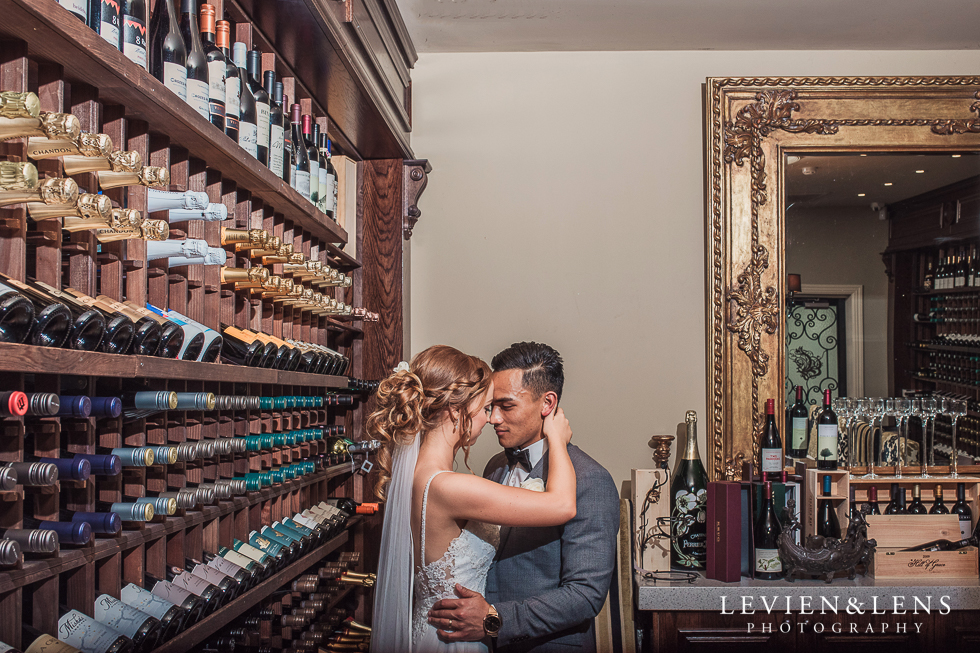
491 623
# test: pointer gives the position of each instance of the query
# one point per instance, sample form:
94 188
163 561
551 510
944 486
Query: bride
441 527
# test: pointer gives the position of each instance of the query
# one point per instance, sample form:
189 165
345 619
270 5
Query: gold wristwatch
491 622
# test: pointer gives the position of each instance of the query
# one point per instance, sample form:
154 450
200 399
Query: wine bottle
13 403
53 320
799 428
827 435
194 337
38 642
198 83
78 7
33 474
10 552
210 213
68 532
897 505
827 523
212 596
916 507
228 556
90 636
171 336
32 540
16 315
873 508
294 548
170 615
118 330
248 125
688 492
313 154
323 186
962 509
288 153
230 587
768 566
168 53
209 348
233 82
75 467
162 506
105 17
134 31
301 159
147 332
103 464
249 551
193 604
129 456
239 350
945 545
938 505
137 625
772 446
276 123
217 67
127 511
262 105
103 523
330 200
241 575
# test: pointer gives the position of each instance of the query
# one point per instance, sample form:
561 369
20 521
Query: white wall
566 205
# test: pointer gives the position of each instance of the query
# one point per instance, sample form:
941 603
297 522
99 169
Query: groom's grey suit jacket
549 583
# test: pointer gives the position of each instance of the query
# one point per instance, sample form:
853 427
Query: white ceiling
592 25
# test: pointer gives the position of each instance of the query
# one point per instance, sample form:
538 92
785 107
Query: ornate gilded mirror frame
751 123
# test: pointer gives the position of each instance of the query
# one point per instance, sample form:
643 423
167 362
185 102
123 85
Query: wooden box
896 532
839 492
860 487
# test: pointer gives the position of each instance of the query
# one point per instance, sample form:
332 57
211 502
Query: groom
546 585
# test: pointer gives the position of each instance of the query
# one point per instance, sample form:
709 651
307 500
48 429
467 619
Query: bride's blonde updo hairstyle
415 401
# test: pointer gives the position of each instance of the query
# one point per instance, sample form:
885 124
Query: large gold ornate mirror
755 128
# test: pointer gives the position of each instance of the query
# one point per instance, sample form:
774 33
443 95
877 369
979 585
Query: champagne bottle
198 83
134 35
194 337
146 176
313 154
148 332
938 505
19 181
247 126
827 435
916 507
276 123
210 346
301 159
240 350
330 194
772 446
56 323
117 330
168 53
962 509
262 102
827 523
105 17
873 508
171 336
16 315
96 146
233 82
88 635
799 427
688 498
210 213
170 615
137 625
217 67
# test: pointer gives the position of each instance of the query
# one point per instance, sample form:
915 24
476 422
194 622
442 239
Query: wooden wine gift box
839 491
896 532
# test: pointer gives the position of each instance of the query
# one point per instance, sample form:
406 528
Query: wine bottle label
262 123
331 193
276 150
314 181
325 188
6 647
77 7
210 574
85 633
772 460
826 442
134 40
49 644
799 432
247 137
175 78
767 561
117 615
109 23
145 601
233 107
172 593
965 523
191 583
302 185
198 97
225 565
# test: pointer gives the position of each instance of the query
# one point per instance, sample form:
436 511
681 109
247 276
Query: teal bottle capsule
277 476
278 439
265 403
251 482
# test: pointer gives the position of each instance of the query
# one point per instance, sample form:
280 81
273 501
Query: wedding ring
450 624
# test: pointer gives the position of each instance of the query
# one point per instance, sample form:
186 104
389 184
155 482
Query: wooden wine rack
346 62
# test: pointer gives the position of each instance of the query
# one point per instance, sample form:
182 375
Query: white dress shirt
535 452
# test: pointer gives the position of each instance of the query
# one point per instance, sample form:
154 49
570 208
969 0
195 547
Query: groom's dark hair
541 364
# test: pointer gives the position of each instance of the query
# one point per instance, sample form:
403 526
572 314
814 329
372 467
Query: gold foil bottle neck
61 126
125 219
155 230
231 236
94 145
19 105
256 275
17 176
58 191
155 176
273 284
94 207
129 161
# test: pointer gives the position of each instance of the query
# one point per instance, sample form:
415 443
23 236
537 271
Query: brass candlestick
661 449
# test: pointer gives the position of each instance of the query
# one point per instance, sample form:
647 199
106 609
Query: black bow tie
518 457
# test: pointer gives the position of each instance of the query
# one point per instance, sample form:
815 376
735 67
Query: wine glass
904 407
892 410
840 407
929 415
876 407
853 403
867 409
957 409
920 412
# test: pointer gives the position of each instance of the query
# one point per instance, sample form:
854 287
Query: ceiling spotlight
919 172
861 194
956 156
888 183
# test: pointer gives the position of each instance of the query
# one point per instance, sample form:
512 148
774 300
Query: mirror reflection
883 302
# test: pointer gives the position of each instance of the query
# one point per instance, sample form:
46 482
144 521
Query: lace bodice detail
466 562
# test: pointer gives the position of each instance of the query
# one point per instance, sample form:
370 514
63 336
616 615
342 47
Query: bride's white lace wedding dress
466 562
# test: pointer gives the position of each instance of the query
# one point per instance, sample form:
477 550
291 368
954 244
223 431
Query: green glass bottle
688 501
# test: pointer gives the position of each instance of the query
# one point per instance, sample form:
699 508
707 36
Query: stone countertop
707 595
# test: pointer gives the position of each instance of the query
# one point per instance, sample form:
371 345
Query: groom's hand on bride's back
460 620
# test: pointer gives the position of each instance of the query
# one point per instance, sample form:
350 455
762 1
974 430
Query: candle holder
661 449
652 520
